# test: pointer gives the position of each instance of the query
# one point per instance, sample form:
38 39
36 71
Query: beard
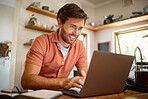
65 36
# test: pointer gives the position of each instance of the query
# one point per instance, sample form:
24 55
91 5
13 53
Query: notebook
38 94
107 74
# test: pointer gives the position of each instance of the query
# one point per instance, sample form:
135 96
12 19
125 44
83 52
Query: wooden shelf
89 27
51 14
122 22
27 44
39 28
97 28
42 11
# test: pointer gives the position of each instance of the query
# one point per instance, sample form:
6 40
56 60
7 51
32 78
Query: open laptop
107 74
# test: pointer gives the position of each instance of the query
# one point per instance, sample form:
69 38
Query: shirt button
62 63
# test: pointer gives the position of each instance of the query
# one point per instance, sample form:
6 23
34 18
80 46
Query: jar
141 75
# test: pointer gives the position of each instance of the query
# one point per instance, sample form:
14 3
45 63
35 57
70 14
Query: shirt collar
54 36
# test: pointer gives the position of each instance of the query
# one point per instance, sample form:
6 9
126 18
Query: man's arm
32 80
85 69
82 72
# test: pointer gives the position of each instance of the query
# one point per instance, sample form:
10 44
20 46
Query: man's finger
76 85
81 82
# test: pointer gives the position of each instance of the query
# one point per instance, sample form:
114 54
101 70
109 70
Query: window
127 41
83 38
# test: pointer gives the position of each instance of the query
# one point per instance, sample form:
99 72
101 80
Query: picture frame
104 46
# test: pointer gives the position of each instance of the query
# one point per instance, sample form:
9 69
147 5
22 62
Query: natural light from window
129 41
83 39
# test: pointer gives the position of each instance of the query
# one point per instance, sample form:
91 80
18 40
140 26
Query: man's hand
77 81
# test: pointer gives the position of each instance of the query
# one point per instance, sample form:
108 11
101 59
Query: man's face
71 30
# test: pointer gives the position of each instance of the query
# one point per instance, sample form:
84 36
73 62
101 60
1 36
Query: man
52 56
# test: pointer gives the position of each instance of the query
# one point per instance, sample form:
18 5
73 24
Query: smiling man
52 56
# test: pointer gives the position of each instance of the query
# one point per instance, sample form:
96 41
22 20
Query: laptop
107 74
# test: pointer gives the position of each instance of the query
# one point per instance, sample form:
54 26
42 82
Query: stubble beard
64 36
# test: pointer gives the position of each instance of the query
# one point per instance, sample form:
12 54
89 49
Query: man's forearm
35 82
39 82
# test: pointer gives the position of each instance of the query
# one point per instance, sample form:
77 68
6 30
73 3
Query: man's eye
72 26
80 28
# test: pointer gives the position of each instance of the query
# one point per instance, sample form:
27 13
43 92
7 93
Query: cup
44 25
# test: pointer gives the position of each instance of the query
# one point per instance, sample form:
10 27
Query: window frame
124 32
85 37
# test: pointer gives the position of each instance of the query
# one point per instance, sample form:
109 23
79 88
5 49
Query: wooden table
127 94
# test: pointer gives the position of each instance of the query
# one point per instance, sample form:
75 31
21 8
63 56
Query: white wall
6 22
23 34
6 28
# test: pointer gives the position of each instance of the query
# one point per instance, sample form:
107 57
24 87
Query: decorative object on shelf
36 4
45 8
137 13
93 24
108 19
145 9
44 25
54 27
49 26
53 11
33 20
118 18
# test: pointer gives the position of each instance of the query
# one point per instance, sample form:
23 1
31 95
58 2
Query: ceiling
8 2
98 3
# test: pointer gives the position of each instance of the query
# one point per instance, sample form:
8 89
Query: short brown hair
71 10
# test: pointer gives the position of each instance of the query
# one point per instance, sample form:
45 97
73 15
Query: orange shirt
45 52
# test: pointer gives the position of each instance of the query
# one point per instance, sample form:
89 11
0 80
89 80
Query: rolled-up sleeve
36 52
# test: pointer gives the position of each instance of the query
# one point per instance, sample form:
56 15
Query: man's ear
59 23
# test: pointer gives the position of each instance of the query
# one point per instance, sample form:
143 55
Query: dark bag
4 50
